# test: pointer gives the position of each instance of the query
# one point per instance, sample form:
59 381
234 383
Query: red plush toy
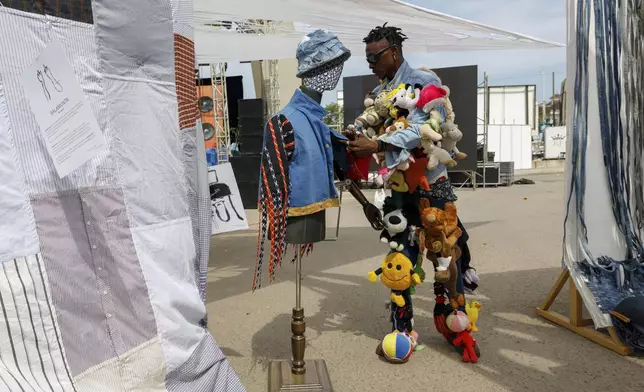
430 97
459 322
358 167
466 340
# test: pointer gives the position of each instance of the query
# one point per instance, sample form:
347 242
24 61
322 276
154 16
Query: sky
545 19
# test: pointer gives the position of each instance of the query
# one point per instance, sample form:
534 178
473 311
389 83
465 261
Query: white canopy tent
351 20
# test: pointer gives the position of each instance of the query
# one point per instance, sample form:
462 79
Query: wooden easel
576 322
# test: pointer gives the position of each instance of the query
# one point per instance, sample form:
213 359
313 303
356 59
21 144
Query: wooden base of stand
315 379
576 322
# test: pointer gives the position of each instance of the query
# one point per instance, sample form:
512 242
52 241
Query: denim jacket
311 164
409 138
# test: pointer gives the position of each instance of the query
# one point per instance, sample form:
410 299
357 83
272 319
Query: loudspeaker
250 144
249 193
251 126
253 108
247 168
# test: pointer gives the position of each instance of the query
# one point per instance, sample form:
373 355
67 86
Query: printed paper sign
71 132
227 208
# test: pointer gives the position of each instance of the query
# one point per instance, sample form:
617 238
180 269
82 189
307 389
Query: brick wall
184 64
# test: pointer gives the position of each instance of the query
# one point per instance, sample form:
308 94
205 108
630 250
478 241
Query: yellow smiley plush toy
396 273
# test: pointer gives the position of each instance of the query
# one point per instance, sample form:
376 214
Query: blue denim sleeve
407 139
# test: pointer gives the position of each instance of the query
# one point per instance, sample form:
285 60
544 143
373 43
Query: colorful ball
397 347
458 321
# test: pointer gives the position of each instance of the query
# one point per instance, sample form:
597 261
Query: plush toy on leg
459 323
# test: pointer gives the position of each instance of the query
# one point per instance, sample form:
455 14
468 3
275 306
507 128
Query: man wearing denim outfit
384 55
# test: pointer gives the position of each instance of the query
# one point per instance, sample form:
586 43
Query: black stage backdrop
463 85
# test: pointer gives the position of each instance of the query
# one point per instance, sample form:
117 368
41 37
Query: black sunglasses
373 58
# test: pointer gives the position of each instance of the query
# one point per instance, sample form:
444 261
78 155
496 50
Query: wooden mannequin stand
576 322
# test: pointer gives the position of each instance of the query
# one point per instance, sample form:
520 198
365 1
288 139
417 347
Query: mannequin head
384 51
321 57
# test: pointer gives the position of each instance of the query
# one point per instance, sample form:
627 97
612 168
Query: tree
334 114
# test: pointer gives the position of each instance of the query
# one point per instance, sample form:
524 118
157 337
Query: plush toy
470 280
440 234
427 132
456 298
441 311
396 231
398 125
472 309
382 104
459 322
449 109
370 119
435 120
398 94
450 135
396 181
396 273
431 97
370 115
407 98
397 347
436 155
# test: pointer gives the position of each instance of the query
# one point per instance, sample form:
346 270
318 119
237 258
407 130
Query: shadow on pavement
520 352
240 253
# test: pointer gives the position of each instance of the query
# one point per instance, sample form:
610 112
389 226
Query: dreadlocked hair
393 35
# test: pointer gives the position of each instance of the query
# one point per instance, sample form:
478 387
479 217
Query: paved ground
516 246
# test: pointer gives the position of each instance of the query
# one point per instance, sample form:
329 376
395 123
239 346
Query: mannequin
310 229
307 229
298 183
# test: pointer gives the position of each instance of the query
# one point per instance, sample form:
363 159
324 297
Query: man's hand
362 146
350 133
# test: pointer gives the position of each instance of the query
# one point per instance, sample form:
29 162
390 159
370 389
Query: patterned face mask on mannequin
325 78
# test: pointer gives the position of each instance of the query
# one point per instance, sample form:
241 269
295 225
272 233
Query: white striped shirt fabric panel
182 18
141 369
17 226
31 353
95 277
204 211
137 62
23 36
135 40
200 210
170 277
206 370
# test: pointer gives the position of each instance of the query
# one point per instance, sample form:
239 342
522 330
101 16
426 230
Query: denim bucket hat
318 48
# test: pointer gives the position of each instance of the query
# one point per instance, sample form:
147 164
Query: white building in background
510 105
512 123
